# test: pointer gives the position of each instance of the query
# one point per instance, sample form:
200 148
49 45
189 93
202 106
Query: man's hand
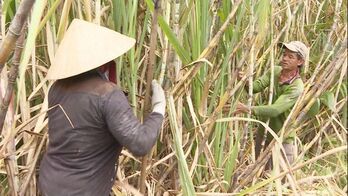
242 108
240 75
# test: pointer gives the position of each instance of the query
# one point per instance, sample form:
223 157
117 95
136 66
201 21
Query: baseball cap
296 46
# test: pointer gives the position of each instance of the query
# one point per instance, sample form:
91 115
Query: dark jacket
90 122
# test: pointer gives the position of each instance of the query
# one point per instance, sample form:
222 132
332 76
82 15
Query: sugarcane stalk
64 20
207 52
327 153
149 78
87 6
256 25
294 125
33 166
294 117
284 30
328 42
13 73
215 22
210 121
10 161
166 52
319 85
247 176
49 13
324 82
271 90
173 67
209 79
313 86
263 157
250 84
11 167
244 130
14 30
230 90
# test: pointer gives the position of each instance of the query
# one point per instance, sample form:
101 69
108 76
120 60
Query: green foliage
314 110
328 99
185 178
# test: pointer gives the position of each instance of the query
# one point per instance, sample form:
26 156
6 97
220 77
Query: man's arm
282 104
261 83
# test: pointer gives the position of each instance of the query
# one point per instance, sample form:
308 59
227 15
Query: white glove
158 98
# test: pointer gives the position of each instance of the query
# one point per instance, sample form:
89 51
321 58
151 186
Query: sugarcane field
173 97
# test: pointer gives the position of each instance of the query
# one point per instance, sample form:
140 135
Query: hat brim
292 48
87 46
288 46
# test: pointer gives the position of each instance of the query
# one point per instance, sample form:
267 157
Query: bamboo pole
149 77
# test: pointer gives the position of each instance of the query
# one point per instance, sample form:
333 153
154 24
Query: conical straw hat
86 46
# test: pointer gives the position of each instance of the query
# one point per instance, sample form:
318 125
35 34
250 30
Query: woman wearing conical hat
91 119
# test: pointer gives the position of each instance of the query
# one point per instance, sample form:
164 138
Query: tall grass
201 45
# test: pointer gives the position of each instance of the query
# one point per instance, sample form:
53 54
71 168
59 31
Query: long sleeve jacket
90 120
285 96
